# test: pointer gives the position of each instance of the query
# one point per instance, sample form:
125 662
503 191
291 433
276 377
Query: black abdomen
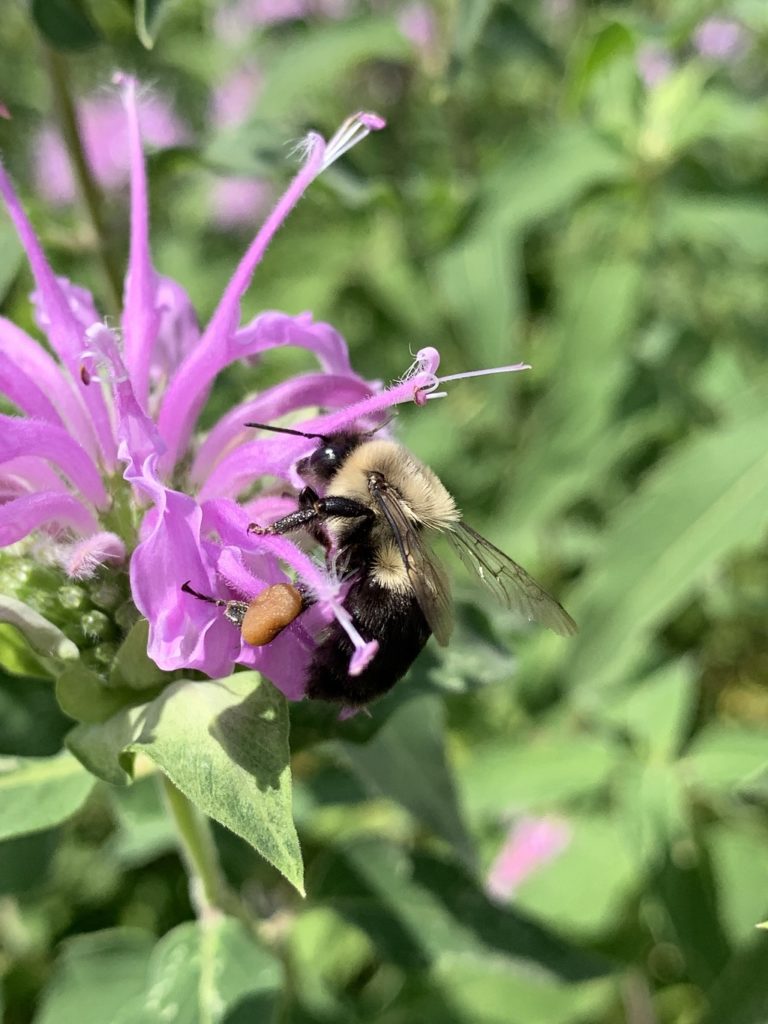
379 613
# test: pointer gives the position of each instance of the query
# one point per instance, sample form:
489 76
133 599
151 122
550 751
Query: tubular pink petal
22 390
275 330
530 844
186 392
29 474
237 471
84 559
32 359
298 393
136 432
22 516
140 316
65 334
20 436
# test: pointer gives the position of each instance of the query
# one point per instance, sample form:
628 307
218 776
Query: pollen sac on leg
269 613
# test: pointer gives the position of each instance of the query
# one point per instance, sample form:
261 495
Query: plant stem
58 74
208 886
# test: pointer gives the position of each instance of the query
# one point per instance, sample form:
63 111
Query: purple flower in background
236 202
111 400
531 843
719 38
102 120
654 63
231 18
418 24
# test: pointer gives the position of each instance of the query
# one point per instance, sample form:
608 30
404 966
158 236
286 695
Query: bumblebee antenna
285 430
202 597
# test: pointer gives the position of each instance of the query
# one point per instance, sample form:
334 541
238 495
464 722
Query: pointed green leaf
707 500
40 792
148 15
224 743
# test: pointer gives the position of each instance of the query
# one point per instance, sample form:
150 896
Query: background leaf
40 792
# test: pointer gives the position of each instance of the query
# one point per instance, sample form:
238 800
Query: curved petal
64 332
183 631
19 436
32 359
189 387
318 389
249 462
29 473
140 316
24 393
274 329
20 517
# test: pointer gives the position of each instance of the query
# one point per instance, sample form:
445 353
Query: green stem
208 885
58 74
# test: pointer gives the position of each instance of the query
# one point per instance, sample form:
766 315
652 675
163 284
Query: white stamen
352 131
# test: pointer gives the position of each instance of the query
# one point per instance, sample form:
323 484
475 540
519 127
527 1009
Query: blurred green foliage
539 194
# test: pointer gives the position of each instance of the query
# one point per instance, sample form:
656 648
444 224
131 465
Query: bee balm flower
102 467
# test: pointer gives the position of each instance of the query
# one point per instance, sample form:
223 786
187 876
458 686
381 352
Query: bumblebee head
327 458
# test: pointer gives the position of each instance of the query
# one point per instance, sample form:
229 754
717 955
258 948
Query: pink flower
130 398
654 63
418 24
232 18
530 844
102 123
237 202
233 99
719 38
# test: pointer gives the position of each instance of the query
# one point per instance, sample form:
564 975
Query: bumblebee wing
511 584
425 574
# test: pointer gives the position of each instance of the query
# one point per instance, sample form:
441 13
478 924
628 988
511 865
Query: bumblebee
374 507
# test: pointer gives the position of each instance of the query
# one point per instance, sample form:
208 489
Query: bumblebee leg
313 508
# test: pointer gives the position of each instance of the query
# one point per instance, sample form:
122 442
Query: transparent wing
426 575
511 584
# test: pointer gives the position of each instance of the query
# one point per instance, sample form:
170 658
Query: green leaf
82 695
145 830
406 761
612 41
505 776
11 253
65 24
199 972
469 22
704 502
101 975
495 991
42 636
583 892
224 743
133 668
656 713
740 995
311 64
39 792
724 758
148 15
416 911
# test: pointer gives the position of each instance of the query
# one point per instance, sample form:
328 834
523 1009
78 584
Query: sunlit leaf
39 792
224 743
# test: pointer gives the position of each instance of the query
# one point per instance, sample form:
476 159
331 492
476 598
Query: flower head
102 467
101 119
719 38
